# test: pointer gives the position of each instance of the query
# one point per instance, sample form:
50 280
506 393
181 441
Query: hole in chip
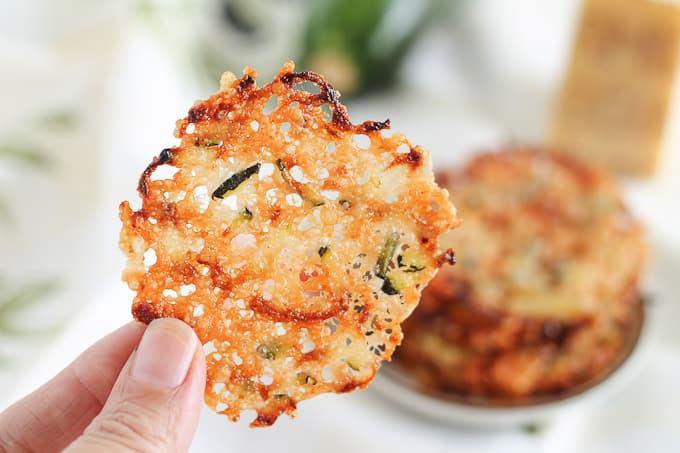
271 105
362 141
327 112
255 125
403 149
308 87
293 199
221 407
209 348
298 175
231 202
307 346
202 198
330 194
150 258
266 170
186 290
163 172
327 374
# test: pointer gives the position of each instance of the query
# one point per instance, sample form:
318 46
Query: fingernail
164 354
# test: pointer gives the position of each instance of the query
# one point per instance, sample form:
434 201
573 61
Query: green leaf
532 428
10 328
146 9
62 119
26 296
21 299
25 153
352 32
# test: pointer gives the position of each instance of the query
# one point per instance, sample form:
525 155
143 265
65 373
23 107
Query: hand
139 389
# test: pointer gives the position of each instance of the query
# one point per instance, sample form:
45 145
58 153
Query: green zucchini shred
284 172
386 253
244 217
388 288
352 365
410 267
304 194
268 351
208 142
235 180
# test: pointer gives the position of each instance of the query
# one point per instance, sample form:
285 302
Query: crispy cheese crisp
546 294
293 241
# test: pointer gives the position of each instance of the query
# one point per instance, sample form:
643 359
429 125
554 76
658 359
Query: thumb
156 401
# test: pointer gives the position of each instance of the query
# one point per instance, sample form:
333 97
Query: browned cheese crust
293 241
546 284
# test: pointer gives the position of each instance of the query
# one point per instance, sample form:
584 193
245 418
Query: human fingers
156 401
50 418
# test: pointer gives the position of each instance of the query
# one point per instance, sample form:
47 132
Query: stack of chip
545 295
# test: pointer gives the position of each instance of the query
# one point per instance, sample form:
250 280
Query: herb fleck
235 180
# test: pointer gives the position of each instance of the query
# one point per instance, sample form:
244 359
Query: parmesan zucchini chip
293 241
546 295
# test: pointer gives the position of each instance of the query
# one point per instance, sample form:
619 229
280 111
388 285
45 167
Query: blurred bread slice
616 97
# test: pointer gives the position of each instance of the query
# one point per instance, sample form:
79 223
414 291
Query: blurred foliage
18 149
62 119
532 429
359 45
151 10
25 153
14 301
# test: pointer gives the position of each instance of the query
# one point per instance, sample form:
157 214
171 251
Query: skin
115 397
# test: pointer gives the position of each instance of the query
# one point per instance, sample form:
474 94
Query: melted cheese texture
293 241
545 295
